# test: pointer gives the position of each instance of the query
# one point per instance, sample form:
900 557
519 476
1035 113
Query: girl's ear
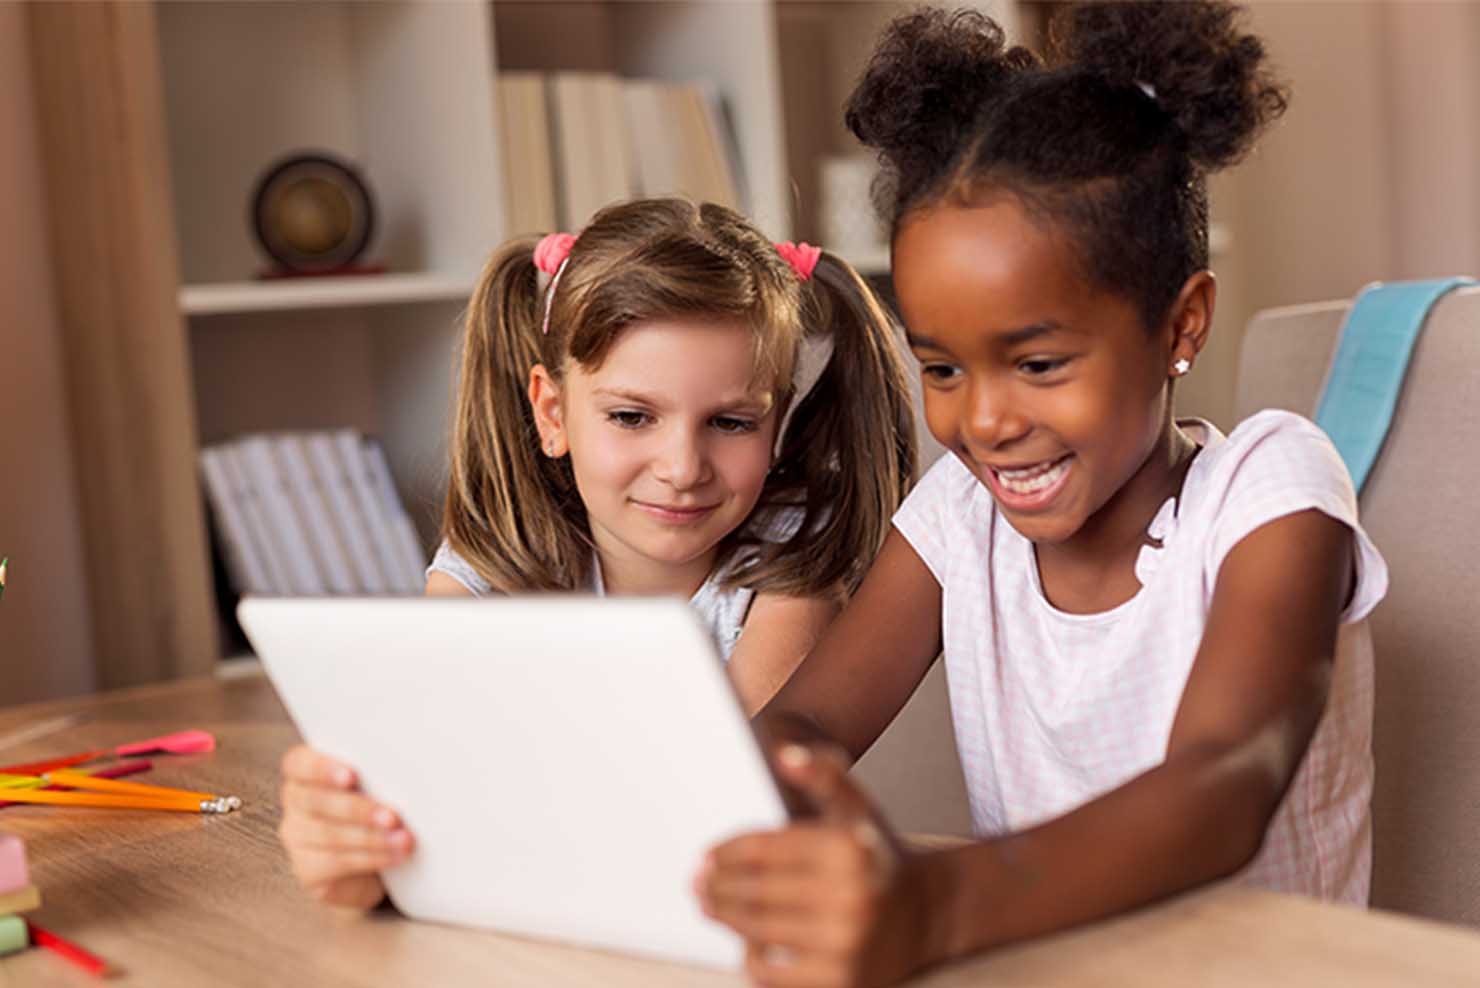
549 415
1190 322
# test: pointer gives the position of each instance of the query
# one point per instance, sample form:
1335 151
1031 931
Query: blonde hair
845 462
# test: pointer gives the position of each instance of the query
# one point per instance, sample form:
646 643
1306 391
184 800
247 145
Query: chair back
1421 505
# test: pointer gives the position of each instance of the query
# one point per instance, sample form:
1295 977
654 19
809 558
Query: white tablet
563 761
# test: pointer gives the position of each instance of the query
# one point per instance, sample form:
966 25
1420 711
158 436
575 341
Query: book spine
350 449
244 563
288 535
245 494
337 486
313 512
409 548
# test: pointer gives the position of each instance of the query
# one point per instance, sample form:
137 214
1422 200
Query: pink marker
183 743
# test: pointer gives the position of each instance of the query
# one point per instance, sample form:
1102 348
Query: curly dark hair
1112 138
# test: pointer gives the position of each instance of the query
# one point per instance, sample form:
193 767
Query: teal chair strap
1361 392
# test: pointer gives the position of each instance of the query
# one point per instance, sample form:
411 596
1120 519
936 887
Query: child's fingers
738 900
821 775
327 880
795 848
304 765
355 892
301 832
341 807
772 965
792 932
318 867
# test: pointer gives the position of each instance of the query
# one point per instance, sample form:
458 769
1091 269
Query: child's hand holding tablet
341 839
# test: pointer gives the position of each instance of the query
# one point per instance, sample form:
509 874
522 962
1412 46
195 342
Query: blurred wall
45 630
825 45
1374 172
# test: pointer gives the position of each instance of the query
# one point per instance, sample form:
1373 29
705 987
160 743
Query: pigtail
932 76
1193 59
848 456
511 512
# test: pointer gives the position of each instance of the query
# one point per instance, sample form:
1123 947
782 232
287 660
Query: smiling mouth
1028 489
675 513
1031 480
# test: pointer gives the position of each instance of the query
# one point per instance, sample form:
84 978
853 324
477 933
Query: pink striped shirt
1053 709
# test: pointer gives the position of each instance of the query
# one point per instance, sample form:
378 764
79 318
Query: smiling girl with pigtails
667 403
1139 615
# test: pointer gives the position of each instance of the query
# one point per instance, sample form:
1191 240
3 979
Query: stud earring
1182 366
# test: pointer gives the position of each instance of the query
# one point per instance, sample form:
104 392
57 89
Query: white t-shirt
722 609
1054 709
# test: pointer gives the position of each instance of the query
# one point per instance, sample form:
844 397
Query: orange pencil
183 804
82 780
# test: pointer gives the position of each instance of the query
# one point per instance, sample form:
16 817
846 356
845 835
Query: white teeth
1034 478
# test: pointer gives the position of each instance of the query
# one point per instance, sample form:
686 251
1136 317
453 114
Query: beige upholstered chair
1421 506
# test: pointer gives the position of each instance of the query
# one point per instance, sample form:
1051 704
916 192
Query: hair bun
928 79
1206 73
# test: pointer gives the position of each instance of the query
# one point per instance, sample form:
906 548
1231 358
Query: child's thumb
820 775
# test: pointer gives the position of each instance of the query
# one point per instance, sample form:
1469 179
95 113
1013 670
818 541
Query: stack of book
17 895
576 141
310 514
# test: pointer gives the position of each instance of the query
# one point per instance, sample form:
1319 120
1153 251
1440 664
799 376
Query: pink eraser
183 743
13 874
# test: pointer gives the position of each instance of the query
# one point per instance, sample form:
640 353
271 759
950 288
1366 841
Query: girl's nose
683 462
992 418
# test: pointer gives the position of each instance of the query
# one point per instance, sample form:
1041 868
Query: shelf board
238 665
322 293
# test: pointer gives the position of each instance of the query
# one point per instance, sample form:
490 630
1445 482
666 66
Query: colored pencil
106 772
81 780
101 791
90 963
182 804
182 743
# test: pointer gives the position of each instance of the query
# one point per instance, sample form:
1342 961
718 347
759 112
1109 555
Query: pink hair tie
802 258
551 255
552 250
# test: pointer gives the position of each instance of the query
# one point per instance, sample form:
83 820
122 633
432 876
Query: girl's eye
939 373
1039 366
730 425
627 418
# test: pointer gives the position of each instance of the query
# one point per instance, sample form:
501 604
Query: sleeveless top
722 609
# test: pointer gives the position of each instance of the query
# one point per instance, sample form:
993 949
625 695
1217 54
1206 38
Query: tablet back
564 762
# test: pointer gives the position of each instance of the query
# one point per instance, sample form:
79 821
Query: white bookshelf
323 293
731 44
404 91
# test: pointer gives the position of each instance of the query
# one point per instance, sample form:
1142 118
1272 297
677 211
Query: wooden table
175 900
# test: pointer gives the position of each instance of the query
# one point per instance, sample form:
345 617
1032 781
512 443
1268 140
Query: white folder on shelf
308 501
350 447
412 556
339 488
286 530
245 494
245 564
